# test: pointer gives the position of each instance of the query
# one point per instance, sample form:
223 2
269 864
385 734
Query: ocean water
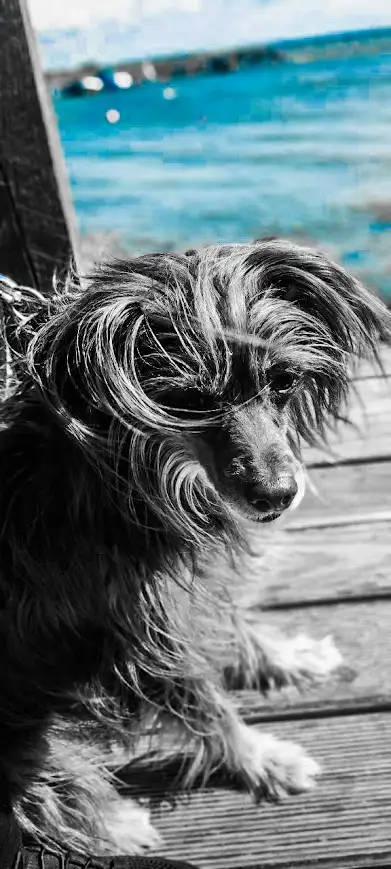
298 149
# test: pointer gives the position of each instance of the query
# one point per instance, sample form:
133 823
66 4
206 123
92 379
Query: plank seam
339 521
308 603
358 707
353 460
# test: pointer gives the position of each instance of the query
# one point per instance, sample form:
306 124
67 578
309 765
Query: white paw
289 767
303 657
128 829
279 767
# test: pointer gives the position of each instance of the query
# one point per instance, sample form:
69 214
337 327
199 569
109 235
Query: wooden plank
369 436
220 828
325 551
320 566
344 823
345 491
361 631
37 225
362 634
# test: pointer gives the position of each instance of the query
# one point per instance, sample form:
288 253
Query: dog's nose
273 497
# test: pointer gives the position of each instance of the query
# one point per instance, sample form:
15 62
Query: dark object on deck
10 839
18 854
37 227
38 858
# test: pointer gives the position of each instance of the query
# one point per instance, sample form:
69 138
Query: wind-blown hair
147 350
151 395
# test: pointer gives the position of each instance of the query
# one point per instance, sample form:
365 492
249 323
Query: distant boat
104 80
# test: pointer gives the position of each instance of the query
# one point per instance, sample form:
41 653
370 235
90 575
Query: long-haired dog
160 407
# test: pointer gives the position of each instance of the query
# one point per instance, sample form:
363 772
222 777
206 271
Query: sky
140 27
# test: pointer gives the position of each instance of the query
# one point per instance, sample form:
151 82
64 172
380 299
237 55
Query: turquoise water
295 149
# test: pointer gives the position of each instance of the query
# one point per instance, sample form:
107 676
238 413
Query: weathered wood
37 226
324 565
369 435
362 634
342 558
346 491
344 823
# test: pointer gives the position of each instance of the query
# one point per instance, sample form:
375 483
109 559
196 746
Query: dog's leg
270 767
207 735
261 658
62 793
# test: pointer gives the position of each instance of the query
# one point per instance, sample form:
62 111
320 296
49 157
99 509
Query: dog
159 410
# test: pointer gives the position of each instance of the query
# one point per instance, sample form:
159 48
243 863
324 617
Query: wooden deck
334 577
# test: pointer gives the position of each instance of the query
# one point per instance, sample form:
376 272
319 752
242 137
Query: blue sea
300 149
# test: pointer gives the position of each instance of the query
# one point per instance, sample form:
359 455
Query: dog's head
195 378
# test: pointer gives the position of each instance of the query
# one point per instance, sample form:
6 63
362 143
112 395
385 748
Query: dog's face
197 377
241 433
249 457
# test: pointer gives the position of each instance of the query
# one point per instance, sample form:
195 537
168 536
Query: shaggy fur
160 407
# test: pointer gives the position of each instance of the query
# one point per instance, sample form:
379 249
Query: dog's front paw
276 767
289 768
303 659
128 829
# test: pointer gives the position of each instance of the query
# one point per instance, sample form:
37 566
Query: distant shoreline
166 68
229 60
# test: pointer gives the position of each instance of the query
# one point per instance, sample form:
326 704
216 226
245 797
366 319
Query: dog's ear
355 318
94 354
331 321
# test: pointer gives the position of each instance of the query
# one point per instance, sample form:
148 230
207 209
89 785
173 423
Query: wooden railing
37 225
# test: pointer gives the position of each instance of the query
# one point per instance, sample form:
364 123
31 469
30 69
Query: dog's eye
281 381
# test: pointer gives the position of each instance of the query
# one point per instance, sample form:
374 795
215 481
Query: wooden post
37 224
